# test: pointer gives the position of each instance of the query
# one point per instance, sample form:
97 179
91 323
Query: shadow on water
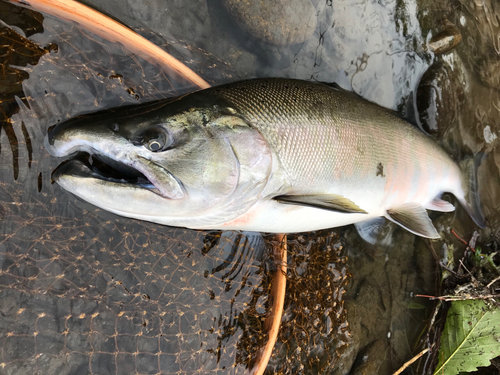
83 291
18 51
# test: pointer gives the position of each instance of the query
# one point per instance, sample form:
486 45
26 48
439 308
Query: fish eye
155 140
154 145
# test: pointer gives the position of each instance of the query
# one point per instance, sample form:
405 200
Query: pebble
446 40
277 22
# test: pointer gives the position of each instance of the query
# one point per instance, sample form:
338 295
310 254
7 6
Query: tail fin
472 203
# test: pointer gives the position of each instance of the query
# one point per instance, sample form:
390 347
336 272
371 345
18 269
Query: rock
276 22
439 97
448 38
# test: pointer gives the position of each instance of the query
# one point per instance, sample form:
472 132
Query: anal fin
413 217
331 202
440 205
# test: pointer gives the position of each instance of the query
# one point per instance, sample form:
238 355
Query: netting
104 295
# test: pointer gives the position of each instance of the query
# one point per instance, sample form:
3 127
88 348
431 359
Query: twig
451 270
434 314
473 239
458 298
473 279
493 282
458 237
429 245
405 366
470 273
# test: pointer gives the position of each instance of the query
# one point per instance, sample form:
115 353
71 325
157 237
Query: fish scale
318 136
300 148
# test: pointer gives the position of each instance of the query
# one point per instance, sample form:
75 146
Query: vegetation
471 337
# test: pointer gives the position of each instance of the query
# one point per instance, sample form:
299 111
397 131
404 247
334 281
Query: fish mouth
113 172
103 168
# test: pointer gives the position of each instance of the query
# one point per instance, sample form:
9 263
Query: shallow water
84 291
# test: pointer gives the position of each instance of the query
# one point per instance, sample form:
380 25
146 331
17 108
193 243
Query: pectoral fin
331 202
413 217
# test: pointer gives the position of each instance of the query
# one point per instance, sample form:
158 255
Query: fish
267 155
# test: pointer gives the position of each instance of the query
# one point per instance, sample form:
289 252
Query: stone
276 22
447 39
439 98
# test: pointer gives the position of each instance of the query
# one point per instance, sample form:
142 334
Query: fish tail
471 201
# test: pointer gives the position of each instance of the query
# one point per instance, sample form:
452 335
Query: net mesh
93 293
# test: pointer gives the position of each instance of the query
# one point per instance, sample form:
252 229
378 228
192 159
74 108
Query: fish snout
62 140
65 139
50 140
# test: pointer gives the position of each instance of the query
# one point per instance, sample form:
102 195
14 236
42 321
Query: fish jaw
121 198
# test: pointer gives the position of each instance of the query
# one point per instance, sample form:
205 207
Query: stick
402 368
495 280
473 239
458 237
458 298
109 29
273 321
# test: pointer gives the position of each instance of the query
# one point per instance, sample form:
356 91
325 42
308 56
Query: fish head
170 163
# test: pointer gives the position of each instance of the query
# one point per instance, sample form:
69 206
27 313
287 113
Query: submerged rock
448 38
439 98
277 22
